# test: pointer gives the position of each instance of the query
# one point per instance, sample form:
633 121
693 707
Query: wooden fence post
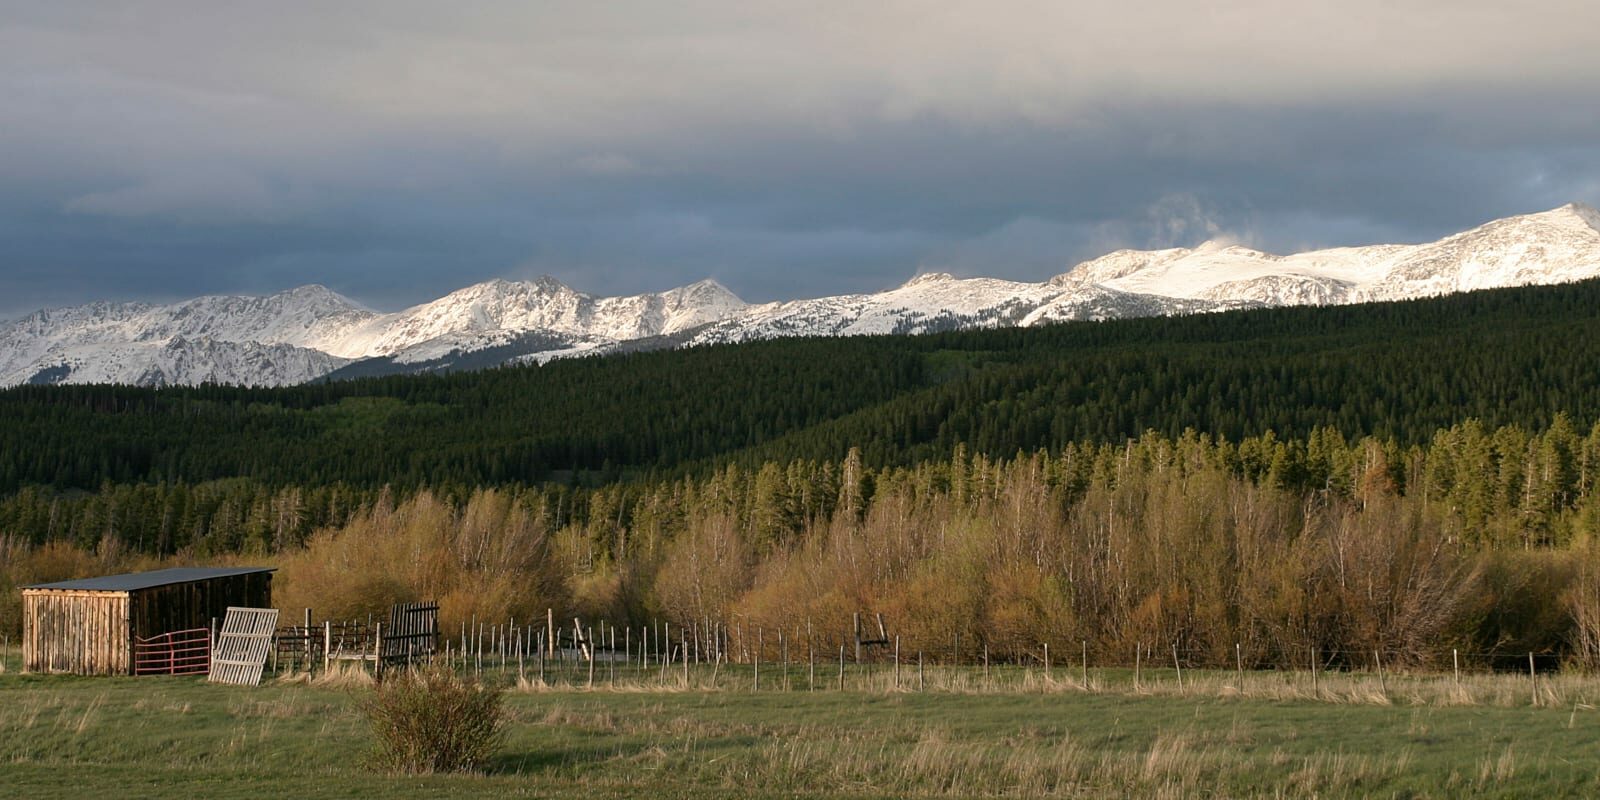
1533 680
1316 688
841 667
856 617
1383 685
665 657
1178 665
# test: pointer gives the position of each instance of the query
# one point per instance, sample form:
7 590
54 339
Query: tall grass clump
432 720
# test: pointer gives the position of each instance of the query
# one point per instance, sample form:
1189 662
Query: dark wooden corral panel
88 627
181 606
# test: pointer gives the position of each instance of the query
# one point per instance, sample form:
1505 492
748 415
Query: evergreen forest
1414 478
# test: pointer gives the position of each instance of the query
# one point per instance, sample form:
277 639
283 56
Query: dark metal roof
133 581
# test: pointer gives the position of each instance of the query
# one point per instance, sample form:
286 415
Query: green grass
166 737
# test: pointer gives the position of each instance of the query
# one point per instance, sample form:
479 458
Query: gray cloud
395 150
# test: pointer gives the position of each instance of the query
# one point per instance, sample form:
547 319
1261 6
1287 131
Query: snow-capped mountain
1553 247
311 332
244 340
491 313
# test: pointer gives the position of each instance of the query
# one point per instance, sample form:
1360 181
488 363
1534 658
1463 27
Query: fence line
708 654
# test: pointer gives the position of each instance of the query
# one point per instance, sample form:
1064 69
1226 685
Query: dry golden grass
1505 690
342 675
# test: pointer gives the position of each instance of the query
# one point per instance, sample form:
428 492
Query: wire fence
661 656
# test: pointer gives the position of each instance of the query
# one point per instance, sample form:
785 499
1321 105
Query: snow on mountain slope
47 335
181 361
931 302
1551 247
306 333
466 315
1096 303
255 340
1118 264
311 332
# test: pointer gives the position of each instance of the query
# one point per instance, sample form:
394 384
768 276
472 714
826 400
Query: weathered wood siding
182 606
92 632
75 631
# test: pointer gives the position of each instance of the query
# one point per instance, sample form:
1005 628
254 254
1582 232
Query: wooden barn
92 626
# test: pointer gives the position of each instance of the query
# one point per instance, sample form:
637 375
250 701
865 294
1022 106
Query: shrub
431 720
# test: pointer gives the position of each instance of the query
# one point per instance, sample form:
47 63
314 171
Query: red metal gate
176 653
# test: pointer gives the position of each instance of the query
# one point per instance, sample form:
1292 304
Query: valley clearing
1271 735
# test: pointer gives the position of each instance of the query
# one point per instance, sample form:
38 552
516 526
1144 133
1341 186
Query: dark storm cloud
395 151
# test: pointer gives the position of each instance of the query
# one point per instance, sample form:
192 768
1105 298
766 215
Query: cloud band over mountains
394 150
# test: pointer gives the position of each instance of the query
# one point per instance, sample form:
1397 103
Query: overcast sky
395 151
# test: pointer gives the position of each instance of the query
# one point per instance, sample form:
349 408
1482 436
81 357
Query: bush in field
431 720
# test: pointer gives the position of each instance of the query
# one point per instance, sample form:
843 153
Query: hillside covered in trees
1398 371
1414 478
1481 541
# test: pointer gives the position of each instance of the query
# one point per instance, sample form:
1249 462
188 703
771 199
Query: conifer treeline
1510 488
1479 540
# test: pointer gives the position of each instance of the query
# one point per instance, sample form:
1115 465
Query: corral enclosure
90 626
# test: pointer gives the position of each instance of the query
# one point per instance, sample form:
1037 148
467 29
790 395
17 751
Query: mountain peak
1574 214
706 290
491 286
316 293
1229 246
504 287
1587 213
928 277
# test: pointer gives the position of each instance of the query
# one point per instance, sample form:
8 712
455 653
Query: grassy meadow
1018 733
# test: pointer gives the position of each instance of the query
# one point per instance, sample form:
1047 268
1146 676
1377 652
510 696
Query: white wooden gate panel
243 646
